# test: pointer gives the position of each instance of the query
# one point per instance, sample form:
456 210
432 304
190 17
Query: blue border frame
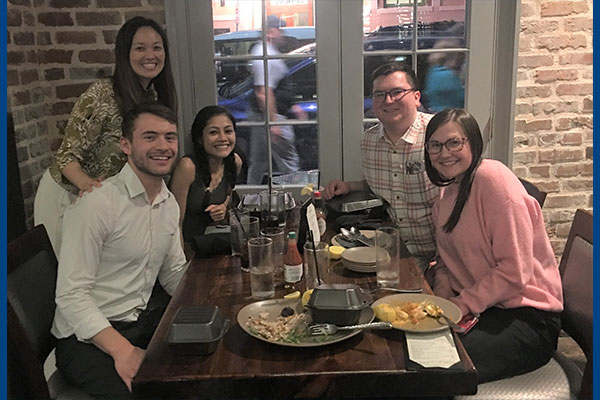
596 374
3 216
3 379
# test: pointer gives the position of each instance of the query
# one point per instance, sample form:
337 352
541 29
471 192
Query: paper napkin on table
435 349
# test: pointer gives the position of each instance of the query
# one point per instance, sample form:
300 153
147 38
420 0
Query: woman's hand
88 184
74 173
217 211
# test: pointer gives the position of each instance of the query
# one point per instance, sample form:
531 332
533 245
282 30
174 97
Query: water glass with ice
260 252
387 242
278 236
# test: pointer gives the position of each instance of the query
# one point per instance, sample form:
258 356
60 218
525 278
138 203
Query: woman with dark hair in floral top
90 150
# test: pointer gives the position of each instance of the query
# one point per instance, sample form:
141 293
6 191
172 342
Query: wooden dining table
370 365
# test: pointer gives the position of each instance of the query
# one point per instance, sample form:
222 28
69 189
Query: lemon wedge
335 252
307 190
306 297
293 295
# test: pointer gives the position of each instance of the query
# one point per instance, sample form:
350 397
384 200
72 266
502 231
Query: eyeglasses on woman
453 145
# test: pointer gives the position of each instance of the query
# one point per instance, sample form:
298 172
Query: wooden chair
30 287
560 378
534 191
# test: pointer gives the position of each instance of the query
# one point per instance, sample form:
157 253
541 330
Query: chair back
576 270
534 191
30 287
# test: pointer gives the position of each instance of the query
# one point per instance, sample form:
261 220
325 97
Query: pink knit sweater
499 253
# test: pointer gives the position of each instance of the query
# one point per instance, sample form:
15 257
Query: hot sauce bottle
292 264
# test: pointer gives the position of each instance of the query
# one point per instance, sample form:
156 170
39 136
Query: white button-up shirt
115 245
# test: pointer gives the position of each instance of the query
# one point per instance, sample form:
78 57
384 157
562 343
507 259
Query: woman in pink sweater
495 258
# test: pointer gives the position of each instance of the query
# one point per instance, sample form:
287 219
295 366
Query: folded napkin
432 350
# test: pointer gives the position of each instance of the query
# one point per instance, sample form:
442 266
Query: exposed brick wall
554 120
55 49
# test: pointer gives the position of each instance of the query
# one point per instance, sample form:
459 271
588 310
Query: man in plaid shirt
393 159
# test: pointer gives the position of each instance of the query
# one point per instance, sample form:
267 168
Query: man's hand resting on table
336 187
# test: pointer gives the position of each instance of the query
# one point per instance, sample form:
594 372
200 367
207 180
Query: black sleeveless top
196 219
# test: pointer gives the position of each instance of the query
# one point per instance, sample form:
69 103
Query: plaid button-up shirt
396 173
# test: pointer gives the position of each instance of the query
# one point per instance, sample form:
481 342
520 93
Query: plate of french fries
406 312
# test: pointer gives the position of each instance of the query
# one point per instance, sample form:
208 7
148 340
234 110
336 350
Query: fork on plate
330 329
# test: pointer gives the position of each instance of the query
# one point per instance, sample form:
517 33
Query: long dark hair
200 122
126 85
470 128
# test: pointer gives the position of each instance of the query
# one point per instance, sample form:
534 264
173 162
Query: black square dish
337 304
197 330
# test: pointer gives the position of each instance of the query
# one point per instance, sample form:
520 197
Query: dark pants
87 367
510 342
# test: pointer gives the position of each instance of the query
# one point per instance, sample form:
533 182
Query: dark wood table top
372 364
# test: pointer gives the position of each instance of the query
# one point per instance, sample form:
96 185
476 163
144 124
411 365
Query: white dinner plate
428 324
366 256
274 307
359 267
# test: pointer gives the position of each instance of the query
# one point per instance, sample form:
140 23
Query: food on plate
401 313
306 297
290 329
287 311
385 312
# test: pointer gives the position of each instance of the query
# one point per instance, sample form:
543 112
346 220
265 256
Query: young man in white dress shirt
117 241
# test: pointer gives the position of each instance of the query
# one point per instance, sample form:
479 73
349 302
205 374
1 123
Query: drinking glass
235 221
242 229
278 236
387 244
311 277
260 251
313 178
272 209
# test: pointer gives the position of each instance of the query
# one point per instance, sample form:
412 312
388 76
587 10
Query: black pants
510 342
90 369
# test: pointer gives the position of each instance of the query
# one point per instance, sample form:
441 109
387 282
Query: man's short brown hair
386 69
155 109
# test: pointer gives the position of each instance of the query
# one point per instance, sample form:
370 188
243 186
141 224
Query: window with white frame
349 38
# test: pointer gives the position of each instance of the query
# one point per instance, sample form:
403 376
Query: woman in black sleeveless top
202 181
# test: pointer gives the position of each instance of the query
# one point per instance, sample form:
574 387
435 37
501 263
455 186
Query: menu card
430 350
313 225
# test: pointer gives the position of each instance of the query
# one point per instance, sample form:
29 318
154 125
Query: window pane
293 148
442 25
248 69
237 26
442 80
388 28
